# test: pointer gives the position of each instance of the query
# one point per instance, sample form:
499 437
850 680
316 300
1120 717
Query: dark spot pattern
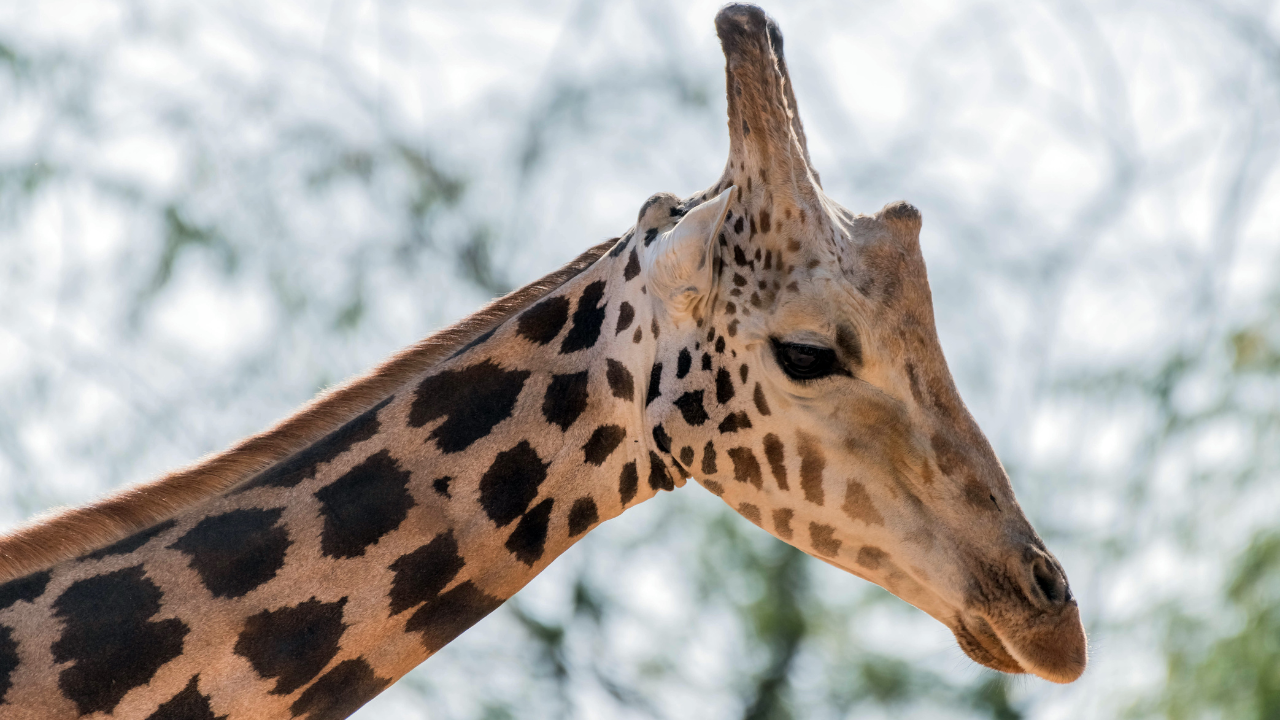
649 236
626 314
566 399
683 363
441 486
661 438
302 465
823 539
709 459
746 469
339 692
774 454
292 644
25 588
621 383
8 660
857 505
422 574
655 381
186 705
706 362
582 516
603 441
812 463
130 543
762 406
633 266
541 323
659 479
628 482
691 408
750 512
686 456
472 400
237 551
782 522
587 320
445 617
720 345
109 639
735 422
359 508
742 374
511 483
724 386
529 539
871 557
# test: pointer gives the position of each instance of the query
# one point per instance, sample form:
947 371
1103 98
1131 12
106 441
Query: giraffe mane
67 532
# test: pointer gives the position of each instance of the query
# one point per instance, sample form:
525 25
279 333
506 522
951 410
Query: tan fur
66 533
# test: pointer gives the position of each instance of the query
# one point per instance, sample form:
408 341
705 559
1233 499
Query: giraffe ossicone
757 337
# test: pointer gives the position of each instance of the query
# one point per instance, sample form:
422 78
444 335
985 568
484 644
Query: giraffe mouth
1051 646
983 646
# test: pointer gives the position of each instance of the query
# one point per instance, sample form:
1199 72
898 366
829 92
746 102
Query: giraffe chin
1054 649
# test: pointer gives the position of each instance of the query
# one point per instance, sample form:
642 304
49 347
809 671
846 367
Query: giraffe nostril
1050 582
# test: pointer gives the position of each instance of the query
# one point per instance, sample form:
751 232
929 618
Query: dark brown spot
774 454
823 539
626 314
724 386
735 422
582 516
811 464
871 557
750 512
686 456
746 469
761 405
709 459
858 506
603 441
782 522
628 482
621 383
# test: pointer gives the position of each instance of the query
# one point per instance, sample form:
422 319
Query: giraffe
756 336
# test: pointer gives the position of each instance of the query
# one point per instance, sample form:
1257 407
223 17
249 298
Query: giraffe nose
1047 583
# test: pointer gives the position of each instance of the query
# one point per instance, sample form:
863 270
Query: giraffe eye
804 362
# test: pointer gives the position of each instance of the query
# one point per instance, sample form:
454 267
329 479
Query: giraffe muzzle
1026 621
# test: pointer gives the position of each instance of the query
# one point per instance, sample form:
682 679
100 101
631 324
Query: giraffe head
798 376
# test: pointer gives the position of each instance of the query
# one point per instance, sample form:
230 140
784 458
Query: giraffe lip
984 646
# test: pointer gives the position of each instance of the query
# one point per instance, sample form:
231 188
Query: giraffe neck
312 586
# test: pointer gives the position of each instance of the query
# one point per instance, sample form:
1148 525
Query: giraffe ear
681 264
